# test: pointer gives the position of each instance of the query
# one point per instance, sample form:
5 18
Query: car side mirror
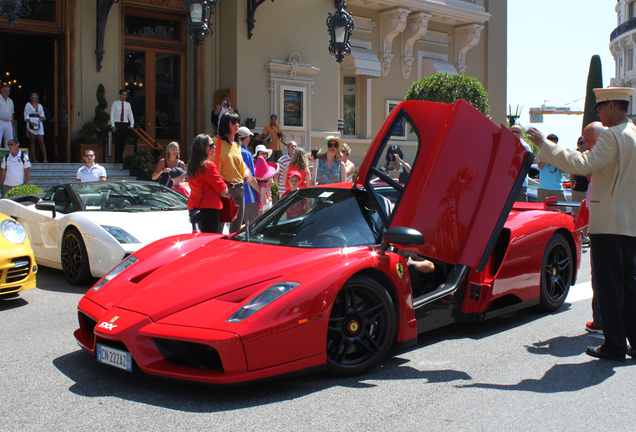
47 206
403 236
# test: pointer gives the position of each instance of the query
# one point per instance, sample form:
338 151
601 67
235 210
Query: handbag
230 210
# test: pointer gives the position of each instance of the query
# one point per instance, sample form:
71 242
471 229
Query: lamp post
340 27
11 9
198 23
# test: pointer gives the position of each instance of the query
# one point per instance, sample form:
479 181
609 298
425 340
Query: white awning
431 66
361 61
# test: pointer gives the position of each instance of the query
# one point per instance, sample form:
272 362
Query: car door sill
453 281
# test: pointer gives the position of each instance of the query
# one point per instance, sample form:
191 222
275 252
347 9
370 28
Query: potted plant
88 134
91 134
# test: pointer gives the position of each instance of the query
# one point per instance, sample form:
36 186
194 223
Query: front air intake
189 354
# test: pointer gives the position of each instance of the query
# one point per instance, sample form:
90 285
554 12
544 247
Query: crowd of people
231 169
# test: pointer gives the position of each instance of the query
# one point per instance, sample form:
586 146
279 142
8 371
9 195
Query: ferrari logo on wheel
399 268
353 326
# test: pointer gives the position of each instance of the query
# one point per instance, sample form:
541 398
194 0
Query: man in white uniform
6 115
91 171
16 168
121 117
612 161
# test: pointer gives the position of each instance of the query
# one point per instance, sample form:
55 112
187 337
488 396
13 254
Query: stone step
45 175
67 173
71 179
71 166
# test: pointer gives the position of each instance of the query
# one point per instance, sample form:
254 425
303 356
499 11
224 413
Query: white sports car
86 229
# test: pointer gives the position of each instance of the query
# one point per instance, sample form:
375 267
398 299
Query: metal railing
155 148
138 133
623 28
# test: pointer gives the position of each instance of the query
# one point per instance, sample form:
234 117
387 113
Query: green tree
594 80
449 89
101 115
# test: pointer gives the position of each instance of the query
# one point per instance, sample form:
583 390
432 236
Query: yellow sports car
17 263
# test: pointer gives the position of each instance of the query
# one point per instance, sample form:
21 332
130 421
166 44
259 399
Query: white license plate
114 357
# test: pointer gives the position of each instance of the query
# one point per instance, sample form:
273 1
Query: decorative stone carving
385 62
466 37
407 64
294 61
392 23
416 26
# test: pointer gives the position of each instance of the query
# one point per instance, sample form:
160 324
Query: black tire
556 273
75 258
361 327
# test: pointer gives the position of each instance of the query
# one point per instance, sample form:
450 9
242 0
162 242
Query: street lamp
198 24
10 9
340 27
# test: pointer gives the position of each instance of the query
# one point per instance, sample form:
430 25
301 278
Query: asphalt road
522 372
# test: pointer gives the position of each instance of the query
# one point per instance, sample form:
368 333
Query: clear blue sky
550 43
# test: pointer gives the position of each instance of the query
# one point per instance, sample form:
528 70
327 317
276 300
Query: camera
393 158
280 135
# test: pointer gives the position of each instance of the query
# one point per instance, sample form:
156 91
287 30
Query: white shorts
6 132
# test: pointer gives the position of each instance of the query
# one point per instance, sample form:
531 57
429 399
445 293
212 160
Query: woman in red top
206 184
299 162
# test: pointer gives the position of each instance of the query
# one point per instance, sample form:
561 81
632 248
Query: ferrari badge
399 268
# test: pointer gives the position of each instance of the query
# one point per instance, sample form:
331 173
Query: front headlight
263 299
115 271
13 231
120 235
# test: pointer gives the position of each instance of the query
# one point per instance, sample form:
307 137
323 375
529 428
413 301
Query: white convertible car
86 229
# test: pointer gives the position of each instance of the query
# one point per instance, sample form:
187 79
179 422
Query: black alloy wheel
361 327
75 258
556 273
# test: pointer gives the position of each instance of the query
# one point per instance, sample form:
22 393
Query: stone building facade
283 68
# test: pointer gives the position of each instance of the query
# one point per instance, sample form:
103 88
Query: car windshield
318 218
106 196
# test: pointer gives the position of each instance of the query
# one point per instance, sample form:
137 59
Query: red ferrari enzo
320 281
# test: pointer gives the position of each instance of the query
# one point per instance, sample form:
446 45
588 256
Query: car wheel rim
557 272
72 256
358 327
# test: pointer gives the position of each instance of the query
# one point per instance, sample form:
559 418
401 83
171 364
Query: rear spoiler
581 213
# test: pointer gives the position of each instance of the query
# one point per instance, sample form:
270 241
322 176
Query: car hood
144 226
217 268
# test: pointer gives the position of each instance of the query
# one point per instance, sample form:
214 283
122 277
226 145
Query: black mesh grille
19 273
189 354
89 323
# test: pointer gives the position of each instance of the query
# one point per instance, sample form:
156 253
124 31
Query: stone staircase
45 175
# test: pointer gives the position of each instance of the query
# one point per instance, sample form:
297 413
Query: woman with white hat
328 167
263 151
